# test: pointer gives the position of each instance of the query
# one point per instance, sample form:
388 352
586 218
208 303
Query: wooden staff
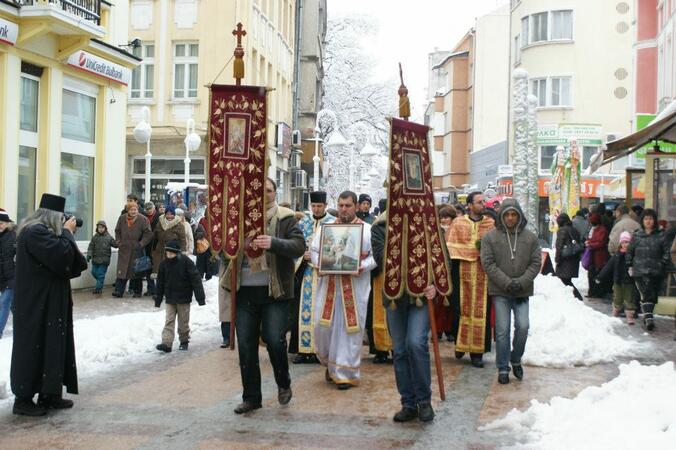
233 301
435 345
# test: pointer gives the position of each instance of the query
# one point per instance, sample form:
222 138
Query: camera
78 221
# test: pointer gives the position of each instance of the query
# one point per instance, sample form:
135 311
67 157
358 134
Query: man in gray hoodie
511 269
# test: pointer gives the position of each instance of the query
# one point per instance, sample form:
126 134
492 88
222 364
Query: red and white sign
8 32
100 67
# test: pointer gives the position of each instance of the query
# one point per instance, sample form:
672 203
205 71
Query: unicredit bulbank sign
99 66
8 32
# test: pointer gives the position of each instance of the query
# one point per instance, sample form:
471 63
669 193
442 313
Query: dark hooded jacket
100 247
648 254
567 235
502 263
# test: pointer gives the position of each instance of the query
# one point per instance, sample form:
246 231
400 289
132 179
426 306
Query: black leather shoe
312 359
136 295
284 396
117 294
163 348
26 407
459 355
478 363
405 415
54 402
518 372
503 378
425 412
300 358
344 386
246 407
225 343
380 358
183 346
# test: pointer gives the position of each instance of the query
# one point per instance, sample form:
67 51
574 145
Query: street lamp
142 133
192 142
335 143
315 160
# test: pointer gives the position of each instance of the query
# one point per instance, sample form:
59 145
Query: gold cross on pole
238 65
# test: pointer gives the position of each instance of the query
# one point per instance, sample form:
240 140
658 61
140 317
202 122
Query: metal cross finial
239 32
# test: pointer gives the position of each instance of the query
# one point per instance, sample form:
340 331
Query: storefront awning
662 128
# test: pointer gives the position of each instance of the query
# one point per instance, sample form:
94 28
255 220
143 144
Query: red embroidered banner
237 167
415 257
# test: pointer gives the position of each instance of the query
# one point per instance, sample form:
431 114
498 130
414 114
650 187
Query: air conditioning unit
299 180
296 138
612 136
295 160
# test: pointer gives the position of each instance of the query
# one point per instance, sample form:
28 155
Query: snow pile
564 332
105 342
635 410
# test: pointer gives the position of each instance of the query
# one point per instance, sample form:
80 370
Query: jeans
409 327
6 298
503 318
258 314
99 274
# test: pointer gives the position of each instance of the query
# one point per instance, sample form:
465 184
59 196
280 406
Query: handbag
201 246
142 264
587 259
572 249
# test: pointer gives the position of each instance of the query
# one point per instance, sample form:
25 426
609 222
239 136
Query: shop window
163 171
185 70
28 145
26 184
142 77
77 186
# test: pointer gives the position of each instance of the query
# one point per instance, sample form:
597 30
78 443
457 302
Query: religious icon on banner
413 171
237 136
340 248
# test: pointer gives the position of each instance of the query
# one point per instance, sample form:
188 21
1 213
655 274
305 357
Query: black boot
425 412
24 406
163 348
518 371
648 320
183 346
54 402
503 378
405 415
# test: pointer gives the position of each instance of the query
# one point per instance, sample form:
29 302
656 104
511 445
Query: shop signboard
590 186
642 121
101 67
560 134
8 31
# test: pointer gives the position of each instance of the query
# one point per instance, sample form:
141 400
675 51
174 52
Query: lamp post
315 160
142 133
192 142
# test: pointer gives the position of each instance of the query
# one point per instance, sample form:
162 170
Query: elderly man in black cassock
43 356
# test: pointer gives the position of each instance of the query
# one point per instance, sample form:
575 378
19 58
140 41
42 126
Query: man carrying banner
341 309
470 298
265 285
304 317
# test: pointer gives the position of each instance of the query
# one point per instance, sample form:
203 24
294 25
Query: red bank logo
83 59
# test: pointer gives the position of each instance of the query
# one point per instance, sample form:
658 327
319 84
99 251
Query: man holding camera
43 356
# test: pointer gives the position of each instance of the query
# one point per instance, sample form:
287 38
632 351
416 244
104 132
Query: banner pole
233 302
435 345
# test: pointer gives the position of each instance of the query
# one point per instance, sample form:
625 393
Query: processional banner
415 253
237 167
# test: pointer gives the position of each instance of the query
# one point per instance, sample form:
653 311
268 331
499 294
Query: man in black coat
43 356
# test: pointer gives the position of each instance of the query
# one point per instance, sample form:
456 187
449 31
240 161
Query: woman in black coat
567 268
43 356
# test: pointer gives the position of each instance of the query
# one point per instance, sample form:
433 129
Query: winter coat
189 239
648 254
582 226
496 255
154 220
288 243
43 356
100 248
177 280
598 242
626 223
131 242
7 252
167 231
566 267
616 267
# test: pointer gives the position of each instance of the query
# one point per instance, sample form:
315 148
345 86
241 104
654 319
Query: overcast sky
409 30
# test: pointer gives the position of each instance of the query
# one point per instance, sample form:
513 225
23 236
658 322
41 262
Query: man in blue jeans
511 258
7 252
409 327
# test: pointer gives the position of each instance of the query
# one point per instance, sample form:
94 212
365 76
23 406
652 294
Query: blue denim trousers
409 327
6 298
99 274
503 324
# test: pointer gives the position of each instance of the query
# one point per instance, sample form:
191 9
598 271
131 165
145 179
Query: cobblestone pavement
184 400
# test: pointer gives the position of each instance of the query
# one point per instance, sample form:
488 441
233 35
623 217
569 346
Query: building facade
64 74
311 18
186 45
451 116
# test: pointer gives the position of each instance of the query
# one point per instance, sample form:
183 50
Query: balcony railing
87 9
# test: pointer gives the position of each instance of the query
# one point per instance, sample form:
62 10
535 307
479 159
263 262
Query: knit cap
625 236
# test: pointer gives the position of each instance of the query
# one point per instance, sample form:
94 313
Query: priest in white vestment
339 331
